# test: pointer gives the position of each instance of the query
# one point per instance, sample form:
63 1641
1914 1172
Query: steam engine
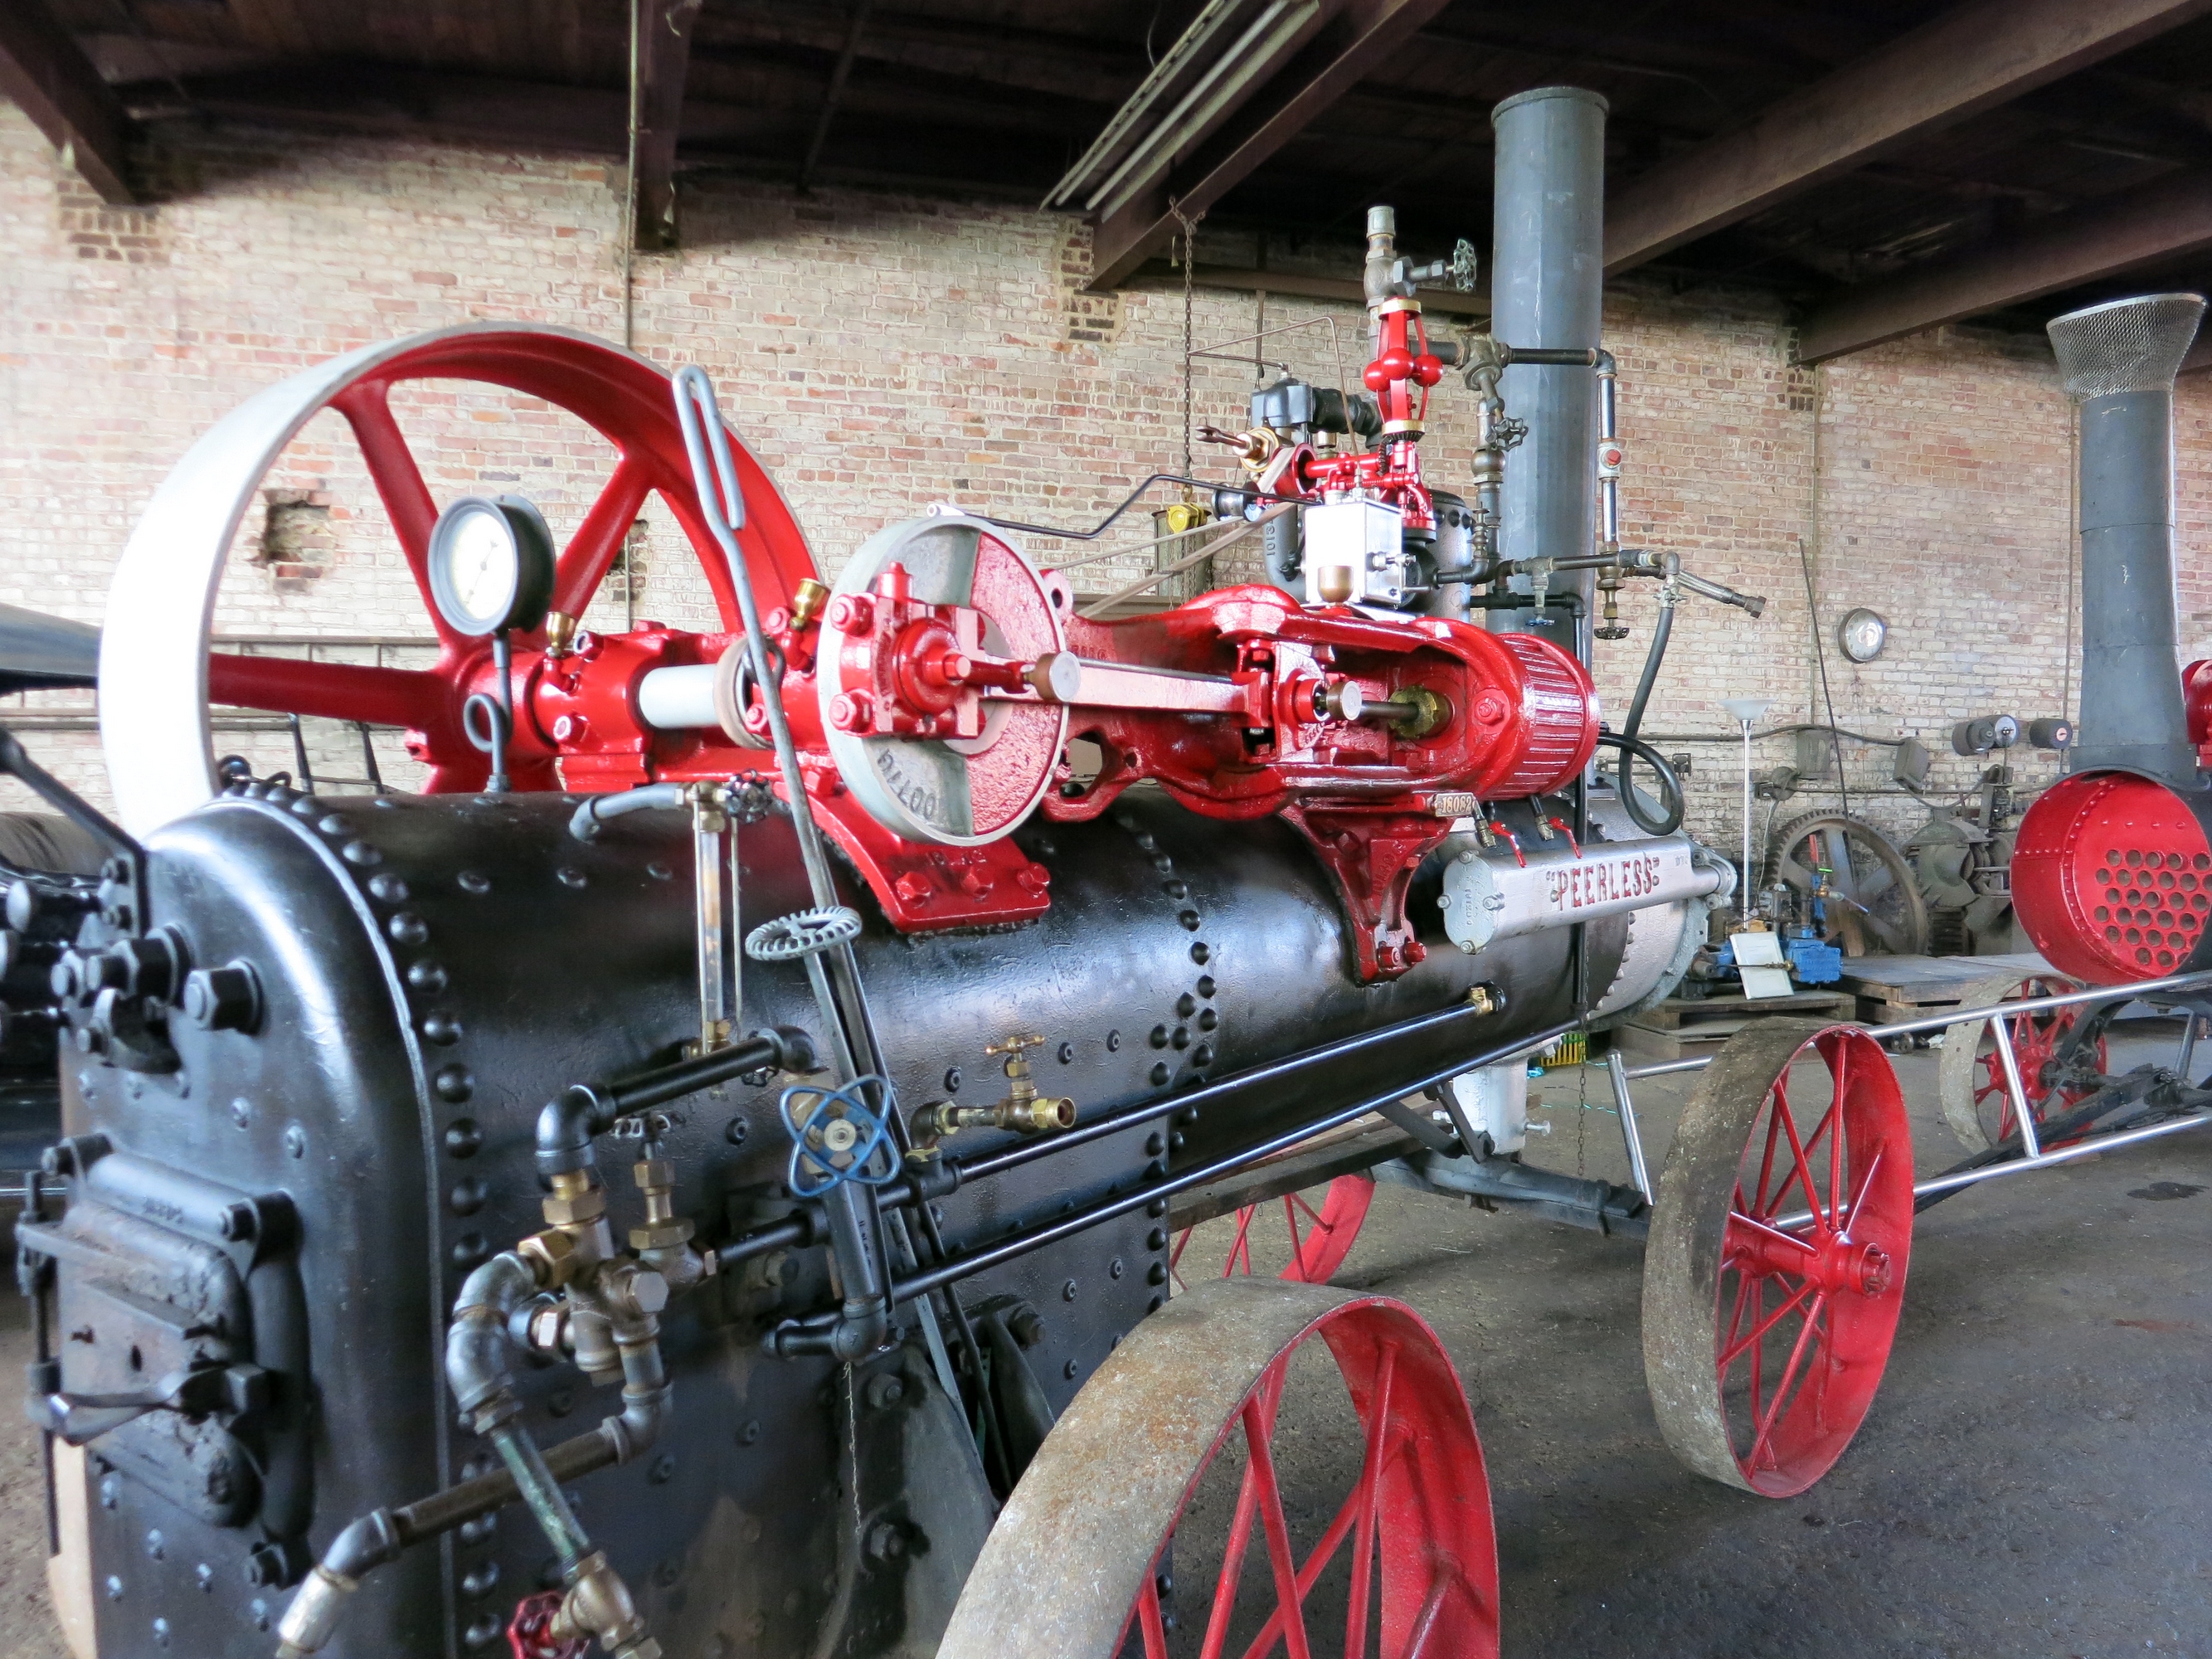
661 1184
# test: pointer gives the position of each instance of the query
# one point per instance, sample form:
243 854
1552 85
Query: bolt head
226 998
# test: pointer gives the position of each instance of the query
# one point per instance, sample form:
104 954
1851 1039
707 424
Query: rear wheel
1776 1268
1153 1520
1971 1082
1311 1242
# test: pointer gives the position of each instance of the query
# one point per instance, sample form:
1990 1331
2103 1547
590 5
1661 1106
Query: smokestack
2117 362
1547 277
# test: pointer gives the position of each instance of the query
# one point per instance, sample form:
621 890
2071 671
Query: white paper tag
1766 983
1757 949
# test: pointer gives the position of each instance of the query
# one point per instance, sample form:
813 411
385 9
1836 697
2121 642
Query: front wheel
1776 1268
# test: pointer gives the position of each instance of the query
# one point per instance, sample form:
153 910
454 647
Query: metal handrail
2034 1156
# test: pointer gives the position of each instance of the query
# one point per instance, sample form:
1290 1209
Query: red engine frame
1369 735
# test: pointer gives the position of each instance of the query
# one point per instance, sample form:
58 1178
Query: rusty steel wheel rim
1779 1244
1319 1239
1179 1433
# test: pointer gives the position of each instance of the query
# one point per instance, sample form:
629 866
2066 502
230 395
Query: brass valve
1255 448
1023 1109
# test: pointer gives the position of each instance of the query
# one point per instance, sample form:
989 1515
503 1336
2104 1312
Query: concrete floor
2034 1478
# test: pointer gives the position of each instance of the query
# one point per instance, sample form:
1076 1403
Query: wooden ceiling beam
1351 45
2167 218
1966 61
661 58
49 78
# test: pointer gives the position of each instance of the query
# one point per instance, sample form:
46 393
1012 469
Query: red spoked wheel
1970 1081
1776 1268
157 675
1319 1239
1194 1546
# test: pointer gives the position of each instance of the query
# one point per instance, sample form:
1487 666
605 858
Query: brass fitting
663 1229
633 1291
1485 999
598 1604
548 1329
1023 1109
575 1200
552 1256
560 633
1416 711
807 601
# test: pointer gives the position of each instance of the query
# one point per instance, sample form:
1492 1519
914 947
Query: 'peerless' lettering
1602 881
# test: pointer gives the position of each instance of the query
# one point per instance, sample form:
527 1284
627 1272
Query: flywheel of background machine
1871 902
959 791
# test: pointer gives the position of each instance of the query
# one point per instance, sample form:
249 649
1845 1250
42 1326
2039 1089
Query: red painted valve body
2112 876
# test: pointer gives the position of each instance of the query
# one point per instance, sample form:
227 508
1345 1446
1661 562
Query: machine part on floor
1853 888
1975 1077
1764 1343
1165 1540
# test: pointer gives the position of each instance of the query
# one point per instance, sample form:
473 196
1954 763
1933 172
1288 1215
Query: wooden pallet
1683 1027
1891 989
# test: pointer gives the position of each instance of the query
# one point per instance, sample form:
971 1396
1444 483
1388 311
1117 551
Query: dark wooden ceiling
997 97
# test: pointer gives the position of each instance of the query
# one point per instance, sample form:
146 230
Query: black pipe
1105 524
1652 659
1022 1244
1211 1094
1670 786
568 1124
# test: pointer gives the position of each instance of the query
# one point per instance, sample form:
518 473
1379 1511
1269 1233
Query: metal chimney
1547 277
2117 362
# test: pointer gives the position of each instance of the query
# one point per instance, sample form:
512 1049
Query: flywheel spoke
592 550
1736 1350
338 691
366 407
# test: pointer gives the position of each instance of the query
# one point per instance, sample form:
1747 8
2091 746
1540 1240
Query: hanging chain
852 1451
1582 1115
1189 228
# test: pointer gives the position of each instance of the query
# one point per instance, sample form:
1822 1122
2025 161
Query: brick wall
882 353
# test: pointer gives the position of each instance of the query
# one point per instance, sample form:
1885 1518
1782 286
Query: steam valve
1022 1110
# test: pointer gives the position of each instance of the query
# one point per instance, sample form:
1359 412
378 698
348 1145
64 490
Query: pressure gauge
1862 633
492 565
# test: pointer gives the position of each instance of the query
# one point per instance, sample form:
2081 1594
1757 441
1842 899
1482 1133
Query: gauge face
1862 633
492 565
